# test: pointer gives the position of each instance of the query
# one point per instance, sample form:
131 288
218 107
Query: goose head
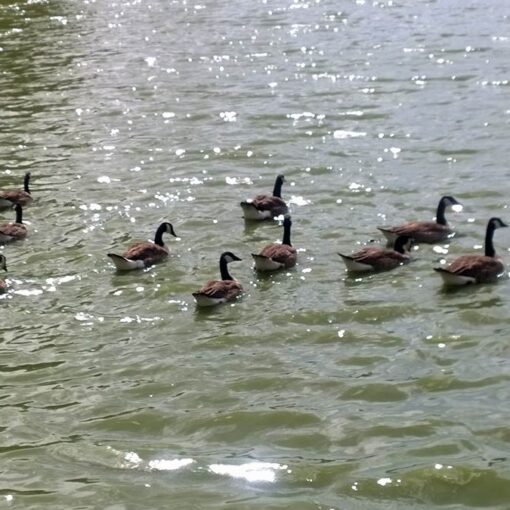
449 201
228 257
169 229
164 227
497 223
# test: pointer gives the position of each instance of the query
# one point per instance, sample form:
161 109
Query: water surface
316 390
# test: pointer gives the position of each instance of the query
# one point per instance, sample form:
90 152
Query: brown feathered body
276 205
374 258
480 268
221 289
149 252
281 253
9 198
264 207
12 232
428 232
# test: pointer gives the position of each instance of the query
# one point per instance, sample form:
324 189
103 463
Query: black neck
158 238
26 182
400 244
286 234
489 245
19 214
277 190
225 275
440 218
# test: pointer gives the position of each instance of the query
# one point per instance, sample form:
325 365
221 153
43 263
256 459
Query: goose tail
124 264
263 263
453 280
251 212
204 300
353 266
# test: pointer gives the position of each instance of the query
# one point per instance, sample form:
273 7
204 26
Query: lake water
316 390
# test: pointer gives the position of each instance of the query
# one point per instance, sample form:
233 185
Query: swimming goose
372 258
276 256
476 268
3 265
215 292
8 198
264 207
14 231
144 254
424 231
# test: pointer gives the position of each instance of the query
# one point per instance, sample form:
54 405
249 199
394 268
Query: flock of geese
463 270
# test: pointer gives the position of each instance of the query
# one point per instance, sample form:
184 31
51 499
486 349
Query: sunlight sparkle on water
138 319
298 116
169 465
228 116
81 316
133 458
29 292
341 134
298 200
238 180
251 472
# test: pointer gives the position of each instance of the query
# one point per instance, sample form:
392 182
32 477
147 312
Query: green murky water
316 390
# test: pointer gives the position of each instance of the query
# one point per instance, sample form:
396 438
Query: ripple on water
375 393
439 485
252 426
